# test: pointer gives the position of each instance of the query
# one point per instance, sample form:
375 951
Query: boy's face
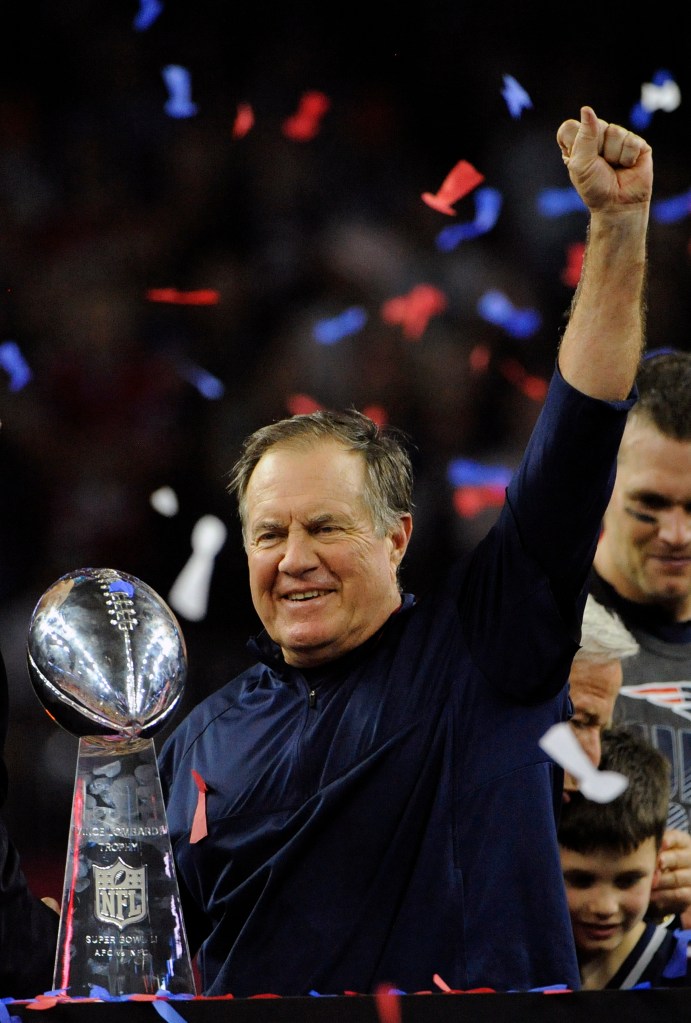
608 894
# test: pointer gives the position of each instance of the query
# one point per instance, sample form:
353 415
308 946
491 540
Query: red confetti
199 829
533 387
471 501
304 124
571 273
302 404
441 983
388 1005
460 180
244 121
204 296
479 358
414 310
377 414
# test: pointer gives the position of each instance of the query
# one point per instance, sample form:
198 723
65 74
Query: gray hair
388 468
604 637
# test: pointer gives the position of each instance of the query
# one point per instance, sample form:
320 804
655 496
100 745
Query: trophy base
121 926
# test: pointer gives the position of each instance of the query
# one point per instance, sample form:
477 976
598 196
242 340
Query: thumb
573 132
587 138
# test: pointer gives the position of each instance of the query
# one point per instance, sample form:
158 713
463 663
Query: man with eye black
642 570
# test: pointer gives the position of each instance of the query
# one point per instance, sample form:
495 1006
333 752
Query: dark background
103 196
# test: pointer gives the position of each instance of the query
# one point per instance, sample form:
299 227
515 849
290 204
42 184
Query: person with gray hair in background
595 678
594 685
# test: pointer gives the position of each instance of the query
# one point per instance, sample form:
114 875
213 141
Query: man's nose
589 738
592 745
299 554
675 526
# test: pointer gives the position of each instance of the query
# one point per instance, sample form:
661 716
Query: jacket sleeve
564 482
28 930
522 600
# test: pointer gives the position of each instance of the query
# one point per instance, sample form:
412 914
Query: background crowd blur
211 217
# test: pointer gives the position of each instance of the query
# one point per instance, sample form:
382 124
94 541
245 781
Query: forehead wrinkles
587 690
316 481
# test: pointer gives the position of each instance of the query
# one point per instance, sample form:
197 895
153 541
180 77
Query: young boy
609 857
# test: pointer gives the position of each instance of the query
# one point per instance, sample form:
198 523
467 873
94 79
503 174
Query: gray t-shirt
655 698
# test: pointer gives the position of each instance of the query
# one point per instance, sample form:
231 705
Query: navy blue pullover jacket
393 816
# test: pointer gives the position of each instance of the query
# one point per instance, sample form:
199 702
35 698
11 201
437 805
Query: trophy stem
121 925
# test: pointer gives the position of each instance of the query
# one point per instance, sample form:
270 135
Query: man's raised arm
612 171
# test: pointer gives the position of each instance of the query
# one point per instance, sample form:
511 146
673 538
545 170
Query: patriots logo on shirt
674 695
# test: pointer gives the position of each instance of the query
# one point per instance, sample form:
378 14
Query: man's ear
400 537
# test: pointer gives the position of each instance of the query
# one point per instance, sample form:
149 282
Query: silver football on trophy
106 655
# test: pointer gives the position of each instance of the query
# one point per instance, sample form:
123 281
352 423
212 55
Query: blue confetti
668 211
517 99
488 203
544 990
179 104
12 360
208 385
495 307
148 11
167 1012
555 202
487 208
639 117
96 991
5 1016
328 332
464 472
